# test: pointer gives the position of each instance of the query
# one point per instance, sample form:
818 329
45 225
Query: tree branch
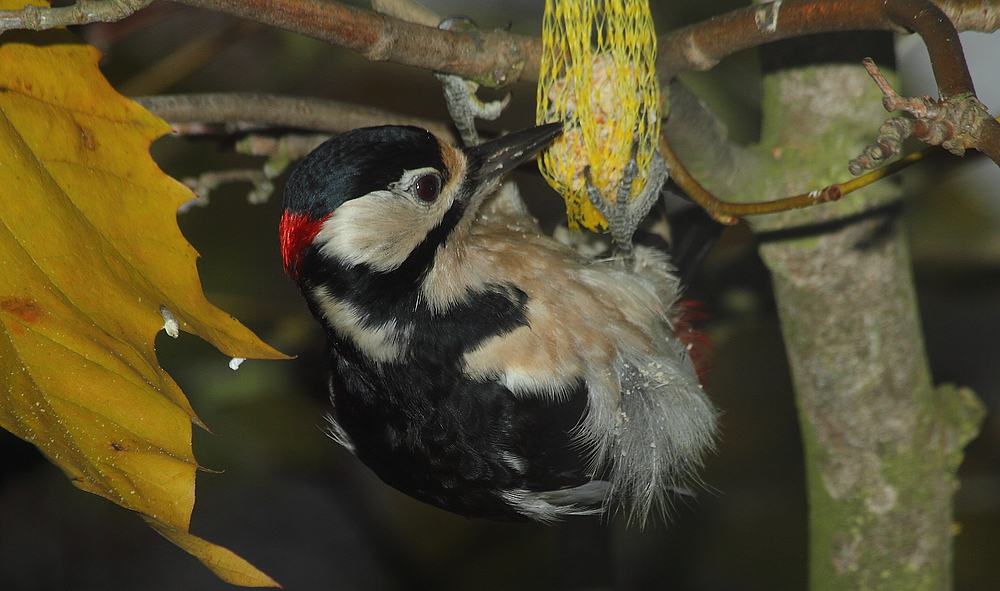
491 58
972 15
495 58
269 110
954 123
702 45
40 18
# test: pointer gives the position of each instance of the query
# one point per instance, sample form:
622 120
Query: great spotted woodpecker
475 363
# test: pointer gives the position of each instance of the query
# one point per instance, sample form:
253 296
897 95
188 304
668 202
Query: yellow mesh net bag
598 77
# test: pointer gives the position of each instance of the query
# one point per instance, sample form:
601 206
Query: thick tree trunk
882 445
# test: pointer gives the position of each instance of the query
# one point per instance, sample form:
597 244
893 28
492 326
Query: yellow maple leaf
91 253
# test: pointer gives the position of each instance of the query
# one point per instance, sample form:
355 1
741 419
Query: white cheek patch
382 228
384 343
366 231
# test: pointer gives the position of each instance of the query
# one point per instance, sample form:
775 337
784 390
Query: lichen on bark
882 444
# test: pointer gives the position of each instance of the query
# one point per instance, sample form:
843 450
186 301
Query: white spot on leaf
170 325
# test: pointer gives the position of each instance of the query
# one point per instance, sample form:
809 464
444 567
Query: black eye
428 187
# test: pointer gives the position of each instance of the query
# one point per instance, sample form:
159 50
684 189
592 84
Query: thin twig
728 213
279 111
291 146
204 184
491 58
280 151
40 18
955 122
889 169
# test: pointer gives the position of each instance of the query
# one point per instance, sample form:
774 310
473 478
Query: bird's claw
460 96
626 212
464 106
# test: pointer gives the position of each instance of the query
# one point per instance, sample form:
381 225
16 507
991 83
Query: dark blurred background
307 513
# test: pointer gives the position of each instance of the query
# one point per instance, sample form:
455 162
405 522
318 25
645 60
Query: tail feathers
551 506
667 425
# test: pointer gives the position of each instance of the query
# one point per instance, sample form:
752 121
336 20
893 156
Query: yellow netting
598 77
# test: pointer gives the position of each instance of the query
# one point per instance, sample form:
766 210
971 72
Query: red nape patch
688 314
296 232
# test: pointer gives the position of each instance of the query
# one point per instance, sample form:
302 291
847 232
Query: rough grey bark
882 444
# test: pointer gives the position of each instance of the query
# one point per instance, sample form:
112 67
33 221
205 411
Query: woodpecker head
375 196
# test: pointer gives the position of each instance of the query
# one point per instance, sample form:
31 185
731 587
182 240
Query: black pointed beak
496 158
